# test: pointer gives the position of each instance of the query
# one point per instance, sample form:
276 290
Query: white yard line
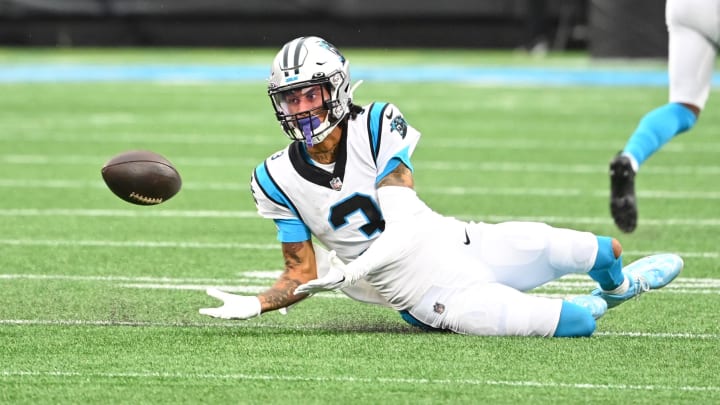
515 143
481 191
564 192
64 374
481 165
259 325
159 213
163 213
137 244
251 246
78 160
253 282
562 168
572 280
135 279
690 222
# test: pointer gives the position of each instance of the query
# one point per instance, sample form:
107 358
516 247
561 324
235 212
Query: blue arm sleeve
292 230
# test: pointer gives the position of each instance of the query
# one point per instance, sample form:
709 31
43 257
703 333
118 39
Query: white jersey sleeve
272 202
392 140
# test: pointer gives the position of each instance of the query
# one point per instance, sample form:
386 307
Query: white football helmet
304 62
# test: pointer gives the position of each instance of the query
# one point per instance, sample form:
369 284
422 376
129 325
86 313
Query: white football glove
335 278
234 306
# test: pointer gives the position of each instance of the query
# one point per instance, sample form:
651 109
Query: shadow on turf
329 327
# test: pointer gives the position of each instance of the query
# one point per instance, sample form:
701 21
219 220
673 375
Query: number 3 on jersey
340 212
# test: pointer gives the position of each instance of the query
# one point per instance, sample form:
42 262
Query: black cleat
623 204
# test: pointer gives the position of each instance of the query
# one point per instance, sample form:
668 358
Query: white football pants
694 35
469 277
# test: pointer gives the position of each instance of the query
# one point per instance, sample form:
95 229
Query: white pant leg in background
694 34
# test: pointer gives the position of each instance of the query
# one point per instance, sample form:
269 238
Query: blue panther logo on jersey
399 124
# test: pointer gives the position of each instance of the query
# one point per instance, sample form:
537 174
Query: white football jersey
340 208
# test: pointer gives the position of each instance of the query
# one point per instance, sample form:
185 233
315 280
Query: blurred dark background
612 28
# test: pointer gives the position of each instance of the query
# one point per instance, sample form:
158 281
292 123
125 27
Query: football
141 177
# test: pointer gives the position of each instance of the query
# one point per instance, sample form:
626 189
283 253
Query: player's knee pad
571 251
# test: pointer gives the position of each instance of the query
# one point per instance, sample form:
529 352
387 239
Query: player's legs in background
690 68
655 129
693 35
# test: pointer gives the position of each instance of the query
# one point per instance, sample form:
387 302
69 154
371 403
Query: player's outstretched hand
234 306
333 280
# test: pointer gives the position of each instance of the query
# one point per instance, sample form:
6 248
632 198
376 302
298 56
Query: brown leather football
141 177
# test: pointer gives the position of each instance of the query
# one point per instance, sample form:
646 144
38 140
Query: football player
694 35
346 183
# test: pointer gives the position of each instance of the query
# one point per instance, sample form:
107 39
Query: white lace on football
146 200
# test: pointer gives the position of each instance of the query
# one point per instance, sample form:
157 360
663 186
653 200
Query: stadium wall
608 28
627 28
371 23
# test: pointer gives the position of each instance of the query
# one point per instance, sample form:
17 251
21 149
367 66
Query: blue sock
575 321
656 128
607 270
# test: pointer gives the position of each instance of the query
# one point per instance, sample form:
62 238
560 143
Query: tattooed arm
400 176
300 267
396 196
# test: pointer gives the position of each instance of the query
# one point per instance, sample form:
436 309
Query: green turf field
99 299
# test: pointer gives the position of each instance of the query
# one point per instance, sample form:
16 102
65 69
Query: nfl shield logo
336 183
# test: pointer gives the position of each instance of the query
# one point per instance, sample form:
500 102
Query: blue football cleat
596 305
648 273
